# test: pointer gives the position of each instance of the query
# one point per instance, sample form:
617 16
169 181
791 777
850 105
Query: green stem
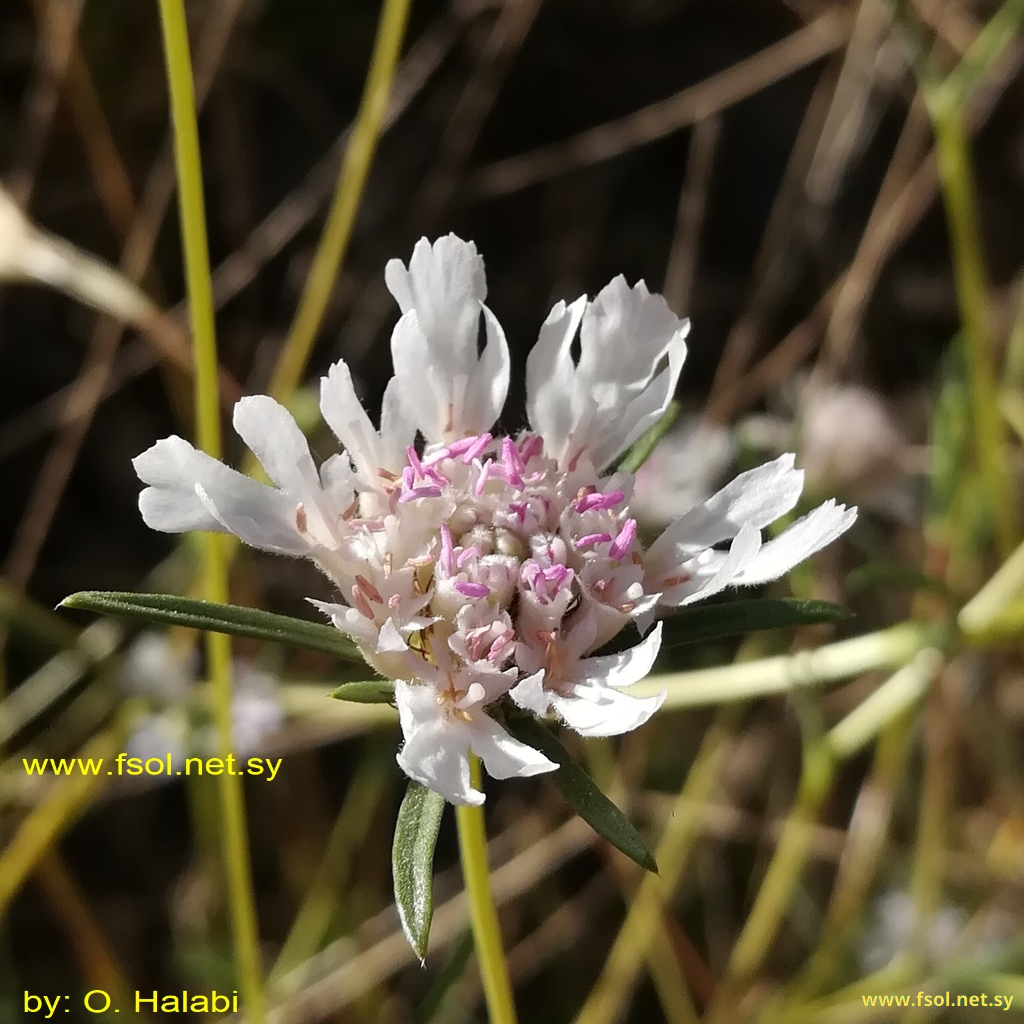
776 890
951 150
483 915
887 648
215 577
345 204
640 929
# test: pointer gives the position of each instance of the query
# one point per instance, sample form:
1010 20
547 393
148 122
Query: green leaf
370 691
709 622
412 862
581 792
640 451
172 610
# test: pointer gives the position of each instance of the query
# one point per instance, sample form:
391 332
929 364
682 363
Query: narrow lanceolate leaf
641 449
171 610
581 792
412 862
731 618
370 691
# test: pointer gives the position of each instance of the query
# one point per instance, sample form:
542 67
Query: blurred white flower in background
850 438
160 680
470 565
682 471
950 933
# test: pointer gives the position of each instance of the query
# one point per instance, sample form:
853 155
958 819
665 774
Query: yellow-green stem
215 582
640 929
490 956
773 898
345 204
951 149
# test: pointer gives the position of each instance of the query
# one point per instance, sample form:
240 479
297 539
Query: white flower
585 691
443 715
477 569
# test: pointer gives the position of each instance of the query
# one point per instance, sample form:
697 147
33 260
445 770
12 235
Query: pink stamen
475 641
599 501
530 446
466 554
414 460
485 472
476 449
394 601
499 645
624 541
369 525
593 538
530 571
415 493
435 457
369 589
474 590
359 600
462 445
559 575
447 551
513 463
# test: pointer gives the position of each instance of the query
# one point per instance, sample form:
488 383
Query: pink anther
447 551
415 493
476 449
624 541
596 500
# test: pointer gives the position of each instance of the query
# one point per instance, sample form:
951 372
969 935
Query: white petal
602 711
275 439
397 428
503 756
760 495
757 498
338 481
606 406
550 374
720 571
259 515
170 504
442 385
627 667
488 383
798 541
647 408
435 753
530 695
420 386
446 286
345 415
349 620
390 641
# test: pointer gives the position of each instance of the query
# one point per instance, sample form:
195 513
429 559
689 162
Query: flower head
472 565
